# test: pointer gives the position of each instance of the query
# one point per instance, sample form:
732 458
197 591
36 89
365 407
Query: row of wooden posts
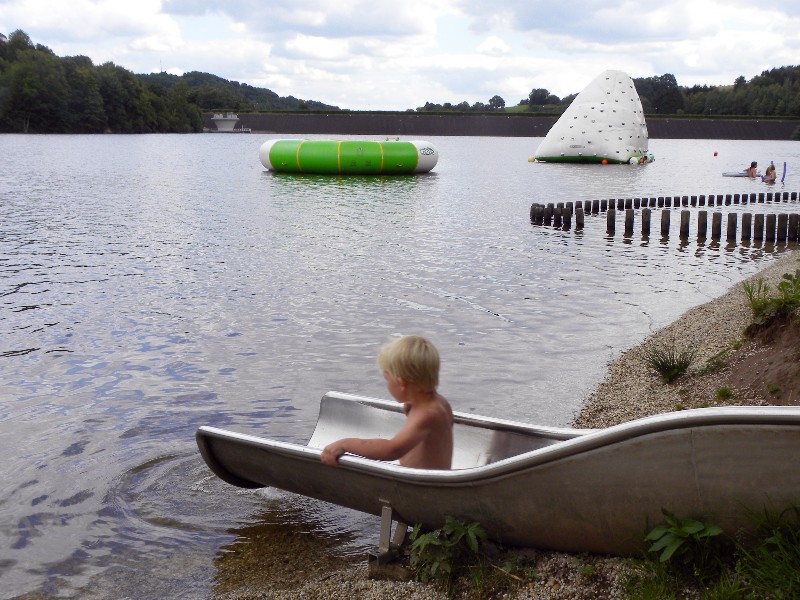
595 206
781 227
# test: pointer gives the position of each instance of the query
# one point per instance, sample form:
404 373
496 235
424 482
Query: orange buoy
604 162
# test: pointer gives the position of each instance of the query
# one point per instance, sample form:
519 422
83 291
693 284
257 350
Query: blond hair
413 358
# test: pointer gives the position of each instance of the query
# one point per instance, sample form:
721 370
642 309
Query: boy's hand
331 453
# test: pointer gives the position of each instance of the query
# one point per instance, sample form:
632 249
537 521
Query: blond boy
410 366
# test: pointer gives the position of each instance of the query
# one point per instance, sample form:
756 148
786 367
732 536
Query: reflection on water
153 284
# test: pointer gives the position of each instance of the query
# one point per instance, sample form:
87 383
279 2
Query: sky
381 55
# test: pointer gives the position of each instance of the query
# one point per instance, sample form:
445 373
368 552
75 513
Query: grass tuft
669 361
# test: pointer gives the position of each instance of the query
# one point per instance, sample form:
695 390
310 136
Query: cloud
397 56
493 46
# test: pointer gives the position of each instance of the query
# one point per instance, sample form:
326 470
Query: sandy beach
630 390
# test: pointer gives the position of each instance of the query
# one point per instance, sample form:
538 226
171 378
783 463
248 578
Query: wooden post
637 202
753 198
570 208
620 204
628 203
548 214
557 216
579 218
660 201
628 221
747 223
761 198
711 200
702 224
645 222
665 223
769 234
595 206
727 199
794 226
587 206
701 200
716 226
685 201
731 227
684 224
758 227
694 200
610 225
783 226
603 205
736 198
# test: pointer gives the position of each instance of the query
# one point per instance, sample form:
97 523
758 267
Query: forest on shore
44 93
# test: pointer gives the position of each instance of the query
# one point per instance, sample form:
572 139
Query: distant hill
211 92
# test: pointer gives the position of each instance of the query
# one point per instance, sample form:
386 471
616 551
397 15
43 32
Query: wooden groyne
745 226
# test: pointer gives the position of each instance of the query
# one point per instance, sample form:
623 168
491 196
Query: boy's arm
413 432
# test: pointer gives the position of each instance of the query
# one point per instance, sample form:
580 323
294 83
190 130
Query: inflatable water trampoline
349 157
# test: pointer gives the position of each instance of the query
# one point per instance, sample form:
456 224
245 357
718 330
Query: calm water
153 284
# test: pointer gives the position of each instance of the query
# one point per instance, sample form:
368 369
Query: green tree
540 97
497 103
35 94
660 94
124 101
85 111
185 116
18 41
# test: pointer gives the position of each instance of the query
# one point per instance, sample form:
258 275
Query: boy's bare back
433 423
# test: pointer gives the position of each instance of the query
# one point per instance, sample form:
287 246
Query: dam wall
389 124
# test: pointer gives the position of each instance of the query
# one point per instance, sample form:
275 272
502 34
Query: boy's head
413 358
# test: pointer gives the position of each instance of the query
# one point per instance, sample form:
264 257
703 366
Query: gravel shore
630 390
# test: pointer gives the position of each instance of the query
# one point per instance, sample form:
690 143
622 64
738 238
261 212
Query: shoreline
629 390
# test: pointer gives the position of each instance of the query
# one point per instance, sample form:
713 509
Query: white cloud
493 46
382 55
306 46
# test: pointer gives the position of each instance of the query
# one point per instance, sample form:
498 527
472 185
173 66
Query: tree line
43 93
773 93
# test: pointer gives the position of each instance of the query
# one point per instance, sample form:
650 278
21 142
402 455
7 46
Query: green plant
724 393
443 554
765 564
771 562
773 389
765 307
668 361
687 540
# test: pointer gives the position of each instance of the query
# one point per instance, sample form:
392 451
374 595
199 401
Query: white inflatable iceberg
605 123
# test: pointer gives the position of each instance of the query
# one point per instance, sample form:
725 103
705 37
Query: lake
152 284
